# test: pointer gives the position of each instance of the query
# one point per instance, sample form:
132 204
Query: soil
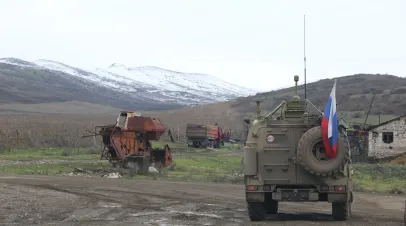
63 200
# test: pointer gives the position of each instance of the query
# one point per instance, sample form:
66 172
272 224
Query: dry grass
220 113
48 130
66 107
28 130
66 130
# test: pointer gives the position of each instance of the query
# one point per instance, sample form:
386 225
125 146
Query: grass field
189 165
50 154
380 177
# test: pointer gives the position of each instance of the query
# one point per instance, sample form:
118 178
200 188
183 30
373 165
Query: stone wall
379 149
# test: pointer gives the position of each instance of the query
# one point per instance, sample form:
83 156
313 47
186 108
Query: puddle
87 214
109 205
197 214
144 213
161 222
210 204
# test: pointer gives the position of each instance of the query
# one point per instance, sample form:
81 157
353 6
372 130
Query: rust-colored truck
204 136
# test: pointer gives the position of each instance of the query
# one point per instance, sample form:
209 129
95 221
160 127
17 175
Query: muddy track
42 200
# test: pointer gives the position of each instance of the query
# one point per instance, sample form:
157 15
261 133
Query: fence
358 147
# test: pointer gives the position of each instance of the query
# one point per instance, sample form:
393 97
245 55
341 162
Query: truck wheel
404 215
310 153
271 207
340 211
256 211
196 144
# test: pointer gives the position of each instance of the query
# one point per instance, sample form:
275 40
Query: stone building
387 139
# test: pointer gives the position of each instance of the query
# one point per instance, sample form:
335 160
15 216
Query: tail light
339 188
252 188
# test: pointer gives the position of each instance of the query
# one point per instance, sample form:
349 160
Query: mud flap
351 200
255 196
404 215
334 197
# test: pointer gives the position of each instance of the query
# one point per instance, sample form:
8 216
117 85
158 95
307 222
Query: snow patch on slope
148 82
17 62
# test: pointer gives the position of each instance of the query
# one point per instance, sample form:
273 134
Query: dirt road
50 200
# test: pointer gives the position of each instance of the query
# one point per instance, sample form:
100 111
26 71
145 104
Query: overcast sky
257 44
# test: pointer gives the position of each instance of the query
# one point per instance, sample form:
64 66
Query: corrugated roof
387 122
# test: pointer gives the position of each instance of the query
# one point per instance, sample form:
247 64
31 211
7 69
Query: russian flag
329 125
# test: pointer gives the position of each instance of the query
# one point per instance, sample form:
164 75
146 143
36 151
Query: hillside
68 107
353 94
145 88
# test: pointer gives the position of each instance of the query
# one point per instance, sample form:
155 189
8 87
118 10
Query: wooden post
18 138
77 141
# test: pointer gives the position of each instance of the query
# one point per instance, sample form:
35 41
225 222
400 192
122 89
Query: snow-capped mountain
142 84
148 82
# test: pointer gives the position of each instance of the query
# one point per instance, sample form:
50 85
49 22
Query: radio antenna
304 53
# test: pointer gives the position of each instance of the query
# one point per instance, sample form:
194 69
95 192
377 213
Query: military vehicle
285 161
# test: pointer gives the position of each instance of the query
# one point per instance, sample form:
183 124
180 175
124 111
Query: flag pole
304 53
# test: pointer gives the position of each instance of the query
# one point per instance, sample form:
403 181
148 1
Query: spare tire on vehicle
311 153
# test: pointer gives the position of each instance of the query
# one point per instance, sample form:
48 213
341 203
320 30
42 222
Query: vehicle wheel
271 207
340 211
404 215
311 153
256 211
196 144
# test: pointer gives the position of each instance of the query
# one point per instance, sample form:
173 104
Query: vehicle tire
404 215
340 211
325 166
256 211
271 207
196 144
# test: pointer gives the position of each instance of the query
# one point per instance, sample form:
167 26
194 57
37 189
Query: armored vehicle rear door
276 152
